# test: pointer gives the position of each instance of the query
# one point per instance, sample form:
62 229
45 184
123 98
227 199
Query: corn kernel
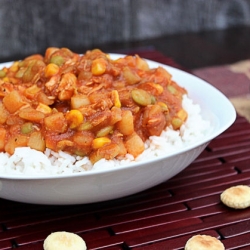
164 106
115 98
182 114
74 117
51 69
6 79
44 108
99 66
100 142
158 88
14 67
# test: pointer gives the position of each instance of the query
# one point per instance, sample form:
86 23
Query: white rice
29 162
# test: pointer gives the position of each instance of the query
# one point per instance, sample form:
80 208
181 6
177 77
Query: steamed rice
29 162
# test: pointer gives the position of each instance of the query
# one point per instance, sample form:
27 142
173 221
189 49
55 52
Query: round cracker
237 197
204 242
64 241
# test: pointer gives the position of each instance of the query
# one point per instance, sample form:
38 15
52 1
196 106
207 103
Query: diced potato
56 122
43 108
44 99
13 101
126 124
134 144
2 138
32 91
117 138
130 76
36 141
141 63
79 100
3 114
83 141
14 142
83 138
31 114
116 115
108 152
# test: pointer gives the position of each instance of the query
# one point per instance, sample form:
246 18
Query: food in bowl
66 112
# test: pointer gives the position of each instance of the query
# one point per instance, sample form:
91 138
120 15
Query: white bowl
102 185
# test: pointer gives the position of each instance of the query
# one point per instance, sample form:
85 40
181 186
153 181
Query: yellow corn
157 87
74 117
43 108
6 79
98 66
164 106
115 98
14 67
182 114
51 69
100 142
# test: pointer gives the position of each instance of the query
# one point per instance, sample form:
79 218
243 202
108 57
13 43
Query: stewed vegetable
87 105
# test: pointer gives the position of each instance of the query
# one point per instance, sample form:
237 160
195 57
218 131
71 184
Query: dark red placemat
163 217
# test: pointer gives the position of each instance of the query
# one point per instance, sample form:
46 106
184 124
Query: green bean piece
85 126
26 128
172 90
176 123
104 131
20 73
2 73
141 97
80 153
58 60
153 99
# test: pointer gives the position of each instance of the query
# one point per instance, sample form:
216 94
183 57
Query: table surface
166 216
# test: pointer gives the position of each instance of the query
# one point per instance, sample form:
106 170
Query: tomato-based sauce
86 105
